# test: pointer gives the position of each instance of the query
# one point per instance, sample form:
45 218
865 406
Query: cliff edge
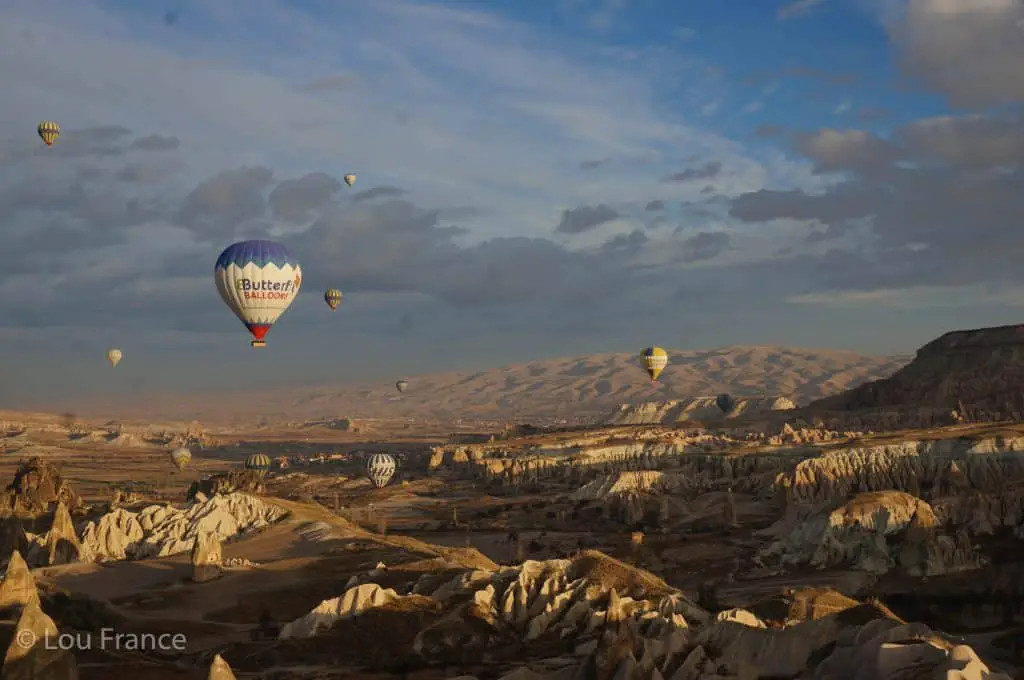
971 375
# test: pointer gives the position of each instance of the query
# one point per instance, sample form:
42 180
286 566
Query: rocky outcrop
595 617
873 532
963 376
207 561
18 587
220 670
34 653
227 483
61 541
703 410
352 603
36 485
159 530
973 483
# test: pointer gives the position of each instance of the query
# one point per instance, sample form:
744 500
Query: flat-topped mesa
970 375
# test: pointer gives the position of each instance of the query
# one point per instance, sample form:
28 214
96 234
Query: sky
535 179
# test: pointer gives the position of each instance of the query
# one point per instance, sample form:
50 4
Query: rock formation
207 562
873 532
18 588
36 484
226 483
703 410
220 670
962 376
352 603
575 611
159 530
34 653
61 542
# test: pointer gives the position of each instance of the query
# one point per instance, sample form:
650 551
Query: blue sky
535 179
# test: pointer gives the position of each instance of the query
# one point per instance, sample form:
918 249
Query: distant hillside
550 388
979 373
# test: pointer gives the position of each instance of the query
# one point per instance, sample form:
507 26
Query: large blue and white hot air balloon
258 280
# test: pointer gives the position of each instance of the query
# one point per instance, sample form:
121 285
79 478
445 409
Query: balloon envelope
114 356
350 179
654 359
401 385
380 468
48 131
725 402
258 280
181 457
332 296
258 462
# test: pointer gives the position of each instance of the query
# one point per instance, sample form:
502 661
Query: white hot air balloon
350 179
380 468
114 356
258 280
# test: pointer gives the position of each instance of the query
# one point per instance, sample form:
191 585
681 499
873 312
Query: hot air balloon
380 467
350 179
48 131
258 462
114 356
655 360
401 385
725 402
181 457
258 280
332 296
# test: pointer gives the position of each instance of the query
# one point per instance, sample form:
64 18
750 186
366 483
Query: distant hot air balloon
258 280
114 356
725 402
181 457
258 462
655 359
48 131
350 179
401 385
332 296
380 468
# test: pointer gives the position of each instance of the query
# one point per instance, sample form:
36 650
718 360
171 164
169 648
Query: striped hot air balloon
114 356
48 131
259 463
332 296
655 359
258 280
380 468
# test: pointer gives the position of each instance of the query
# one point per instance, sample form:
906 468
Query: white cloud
459 106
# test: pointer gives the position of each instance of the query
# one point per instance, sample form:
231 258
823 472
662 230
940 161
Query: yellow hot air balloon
332 296
114 357
181 457
258 463
350 179
655 360
48 131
